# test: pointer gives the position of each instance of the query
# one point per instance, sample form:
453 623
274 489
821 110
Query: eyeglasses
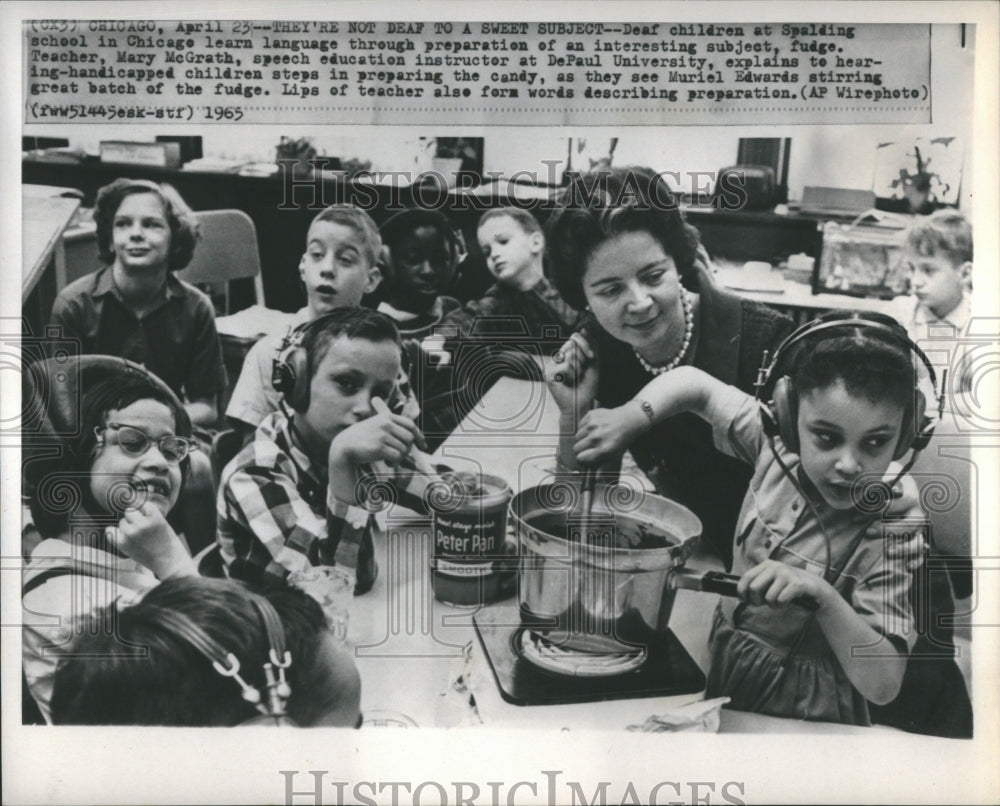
136 442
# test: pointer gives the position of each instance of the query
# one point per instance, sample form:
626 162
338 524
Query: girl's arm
877 675
606 432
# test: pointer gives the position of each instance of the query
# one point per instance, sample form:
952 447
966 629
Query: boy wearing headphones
846 408
338 268
295 495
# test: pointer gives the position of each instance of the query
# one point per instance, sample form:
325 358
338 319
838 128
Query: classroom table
794 298
409 647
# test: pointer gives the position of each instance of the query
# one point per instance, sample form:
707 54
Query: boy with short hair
295 495
938 252
512 242
421 257
339 266
802 527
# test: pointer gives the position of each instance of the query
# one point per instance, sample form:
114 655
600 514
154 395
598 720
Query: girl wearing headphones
103 513
847 407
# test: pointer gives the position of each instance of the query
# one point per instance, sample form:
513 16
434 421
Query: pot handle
725 585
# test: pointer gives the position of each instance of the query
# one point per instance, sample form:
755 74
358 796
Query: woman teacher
619 246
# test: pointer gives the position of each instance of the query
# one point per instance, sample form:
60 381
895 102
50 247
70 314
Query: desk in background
282 216
795 299
44 218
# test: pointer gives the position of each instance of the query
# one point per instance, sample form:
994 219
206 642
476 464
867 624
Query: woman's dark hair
874 368
182 221
145 673
605 203
54 499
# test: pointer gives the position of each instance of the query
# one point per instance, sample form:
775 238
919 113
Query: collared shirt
506 311
418 325
776 522
942 338
277 513
176 340
88 578
254 396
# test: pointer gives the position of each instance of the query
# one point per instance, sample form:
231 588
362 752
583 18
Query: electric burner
531 668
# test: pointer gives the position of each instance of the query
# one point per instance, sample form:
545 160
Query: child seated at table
844 411
339 266
295 495
512 242
937 251
134 306
156 667
421 256
122 477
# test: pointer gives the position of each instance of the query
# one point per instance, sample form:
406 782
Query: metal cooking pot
599 587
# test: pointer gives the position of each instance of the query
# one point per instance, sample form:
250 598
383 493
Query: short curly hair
600 205
182 221
945 232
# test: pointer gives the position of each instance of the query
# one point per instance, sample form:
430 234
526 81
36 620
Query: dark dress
679 455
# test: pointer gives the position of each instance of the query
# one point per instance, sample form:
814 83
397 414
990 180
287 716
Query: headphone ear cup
916 429
288 377
299 399
785 405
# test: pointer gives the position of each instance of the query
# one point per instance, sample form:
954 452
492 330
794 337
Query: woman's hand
572 376
903 527
777 584
144 535
607 433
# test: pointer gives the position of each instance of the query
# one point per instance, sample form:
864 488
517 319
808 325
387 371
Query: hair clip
250 693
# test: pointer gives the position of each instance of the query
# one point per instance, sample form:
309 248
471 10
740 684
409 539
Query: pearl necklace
688 330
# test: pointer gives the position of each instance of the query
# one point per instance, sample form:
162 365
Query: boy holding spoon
299 493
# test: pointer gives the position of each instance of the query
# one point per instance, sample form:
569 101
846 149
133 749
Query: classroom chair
227 252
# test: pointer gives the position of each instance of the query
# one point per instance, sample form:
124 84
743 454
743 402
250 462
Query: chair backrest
227 250
225 445
209 562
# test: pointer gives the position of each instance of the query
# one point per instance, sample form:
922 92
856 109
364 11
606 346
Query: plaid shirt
277 513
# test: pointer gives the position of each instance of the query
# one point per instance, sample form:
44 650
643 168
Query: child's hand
434 347
383 437
777 584
144 535
572 376
605 433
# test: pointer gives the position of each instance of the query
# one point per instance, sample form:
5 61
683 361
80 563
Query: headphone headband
778 399
227 664
835 320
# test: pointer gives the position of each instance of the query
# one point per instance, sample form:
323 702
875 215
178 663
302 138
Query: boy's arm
202 411
249 403
606 432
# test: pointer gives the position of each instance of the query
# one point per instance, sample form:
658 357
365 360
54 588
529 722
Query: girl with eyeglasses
103 512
